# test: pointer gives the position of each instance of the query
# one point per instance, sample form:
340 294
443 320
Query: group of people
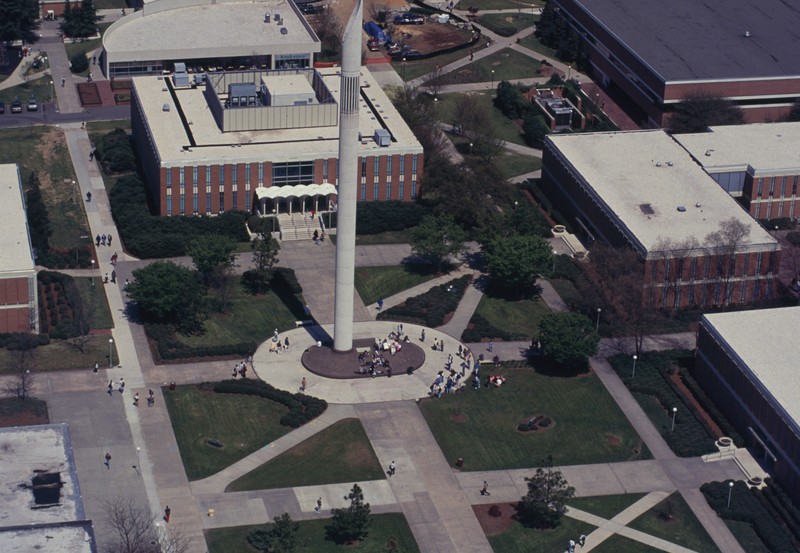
240 368
102 239
571 546
374 362
319 237
276 346
452 381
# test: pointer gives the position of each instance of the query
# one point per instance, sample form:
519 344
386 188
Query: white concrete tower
348 181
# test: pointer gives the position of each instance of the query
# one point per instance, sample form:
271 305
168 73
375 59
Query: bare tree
329 30
81 319
133 529
465 107
676 255
22 377
725 243
378 11
435 82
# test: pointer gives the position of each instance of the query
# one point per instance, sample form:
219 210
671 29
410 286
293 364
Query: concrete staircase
297 226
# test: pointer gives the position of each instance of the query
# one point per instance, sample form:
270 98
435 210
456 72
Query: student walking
121 385
485 489
318 506
380 303
110 387
96 367
151 398
392 469
167 513
108 461
303 385
136 399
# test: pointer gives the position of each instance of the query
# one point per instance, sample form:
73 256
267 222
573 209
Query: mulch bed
331 364
493 526
89 94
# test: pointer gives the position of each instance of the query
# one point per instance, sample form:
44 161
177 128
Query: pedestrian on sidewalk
109 240
97 240
96 367
108 461
318 506
285 346
63 81
167 513
151 398
103 239
303 385
83 124
136 399
380 303
582 540
88 197
392 469
422 335
485 489
105 279
113 276
110 387
121 385
490 347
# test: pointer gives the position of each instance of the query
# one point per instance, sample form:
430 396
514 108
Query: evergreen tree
278 537
352 523
545 502
38 220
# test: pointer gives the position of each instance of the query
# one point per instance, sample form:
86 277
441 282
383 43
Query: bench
307 322
364 350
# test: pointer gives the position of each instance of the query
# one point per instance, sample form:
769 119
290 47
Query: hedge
283 277
12 340
302 408
746 506
783 506
711 408
377 217
115 152
431 308
168 348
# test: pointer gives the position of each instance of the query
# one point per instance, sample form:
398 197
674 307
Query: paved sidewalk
400 297
466 308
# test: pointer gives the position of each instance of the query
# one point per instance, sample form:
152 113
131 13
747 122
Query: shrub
302 408
285 277
376 217
430 308
79 62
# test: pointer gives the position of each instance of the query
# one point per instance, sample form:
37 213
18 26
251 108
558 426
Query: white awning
296 191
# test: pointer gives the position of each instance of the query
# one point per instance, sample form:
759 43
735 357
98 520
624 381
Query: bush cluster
115 152
60 299
168 348
302 408
479 328
377 217
690 437
283 277
711 408
79 62
782 507
147 236
431 308
747 507
17 340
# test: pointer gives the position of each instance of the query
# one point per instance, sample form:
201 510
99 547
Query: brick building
641 189
266 142
19 305
757 164
659 53
745 363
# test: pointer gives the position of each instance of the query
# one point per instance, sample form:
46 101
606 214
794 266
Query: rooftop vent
658 164
647 209
165 107
682 208
669 163
382 138
747 34
277 17
708 152
284 30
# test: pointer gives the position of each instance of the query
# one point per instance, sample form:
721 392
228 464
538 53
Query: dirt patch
51 142
491 525
613 440
459 417
15 412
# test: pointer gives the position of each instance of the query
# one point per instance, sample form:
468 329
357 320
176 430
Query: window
771 262
194 176
235 204
401 190
760 188
771 186
414 164
208 175
181 178
363 167
221 202
716 293
221 175
402 165
208 201
706 268
413 189
375 191
247 174
746 264
783 186
260 173
169 205
325 170
744 288
666 269
194 202
169 178
389 166
235 176
376 166
247 200
363 191
388 191
183 203
756 286
758 263
690 299
655 270
794 186
292 173
693 269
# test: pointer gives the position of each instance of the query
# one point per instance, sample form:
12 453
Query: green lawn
497 5
488 438
312 532
532 43
507 64
41 89
60 354
512 164
746 536
518 539
503 126
340 453
620 544
43 150
418 68
17 412
507 24
674 521
87 46
375 282
250 318
519 317
94 298
605 506
242 423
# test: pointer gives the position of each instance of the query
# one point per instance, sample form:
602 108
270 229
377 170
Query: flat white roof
287 84
643 177
282 145
14 239
763 339
218 30
53 539
764 149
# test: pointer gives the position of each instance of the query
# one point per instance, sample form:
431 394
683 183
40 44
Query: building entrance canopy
296 191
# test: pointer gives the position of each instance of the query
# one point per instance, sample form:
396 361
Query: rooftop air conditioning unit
383 138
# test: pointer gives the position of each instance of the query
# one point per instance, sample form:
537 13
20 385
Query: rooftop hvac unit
284 31
383 138
277 16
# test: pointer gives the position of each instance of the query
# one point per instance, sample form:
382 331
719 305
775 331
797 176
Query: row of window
711 293
723 267
784 179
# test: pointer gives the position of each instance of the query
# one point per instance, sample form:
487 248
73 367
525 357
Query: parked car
2 107
409 18
309 9
16 106
33 105
373 45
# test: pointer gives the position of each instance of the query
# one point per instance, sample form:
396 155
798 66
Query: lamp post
138 460
111 353
553 272
470 148
674 412
730 492
633 374
597 326
492 88
274 216
92 272
52 91
404 68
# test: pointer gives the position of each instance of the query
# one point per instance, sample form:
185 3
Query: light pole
597 326
404 69
274 216
553 272
730 492
492 88
138 460
633 374
674 412
92 272
470 148
52 90
111 353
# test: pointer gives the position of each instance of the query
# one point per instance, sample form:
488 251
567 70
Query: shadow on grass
424 266
547 367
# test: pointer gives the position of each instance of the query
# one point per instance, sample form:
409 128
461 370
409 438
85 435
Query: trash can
172 386
460 462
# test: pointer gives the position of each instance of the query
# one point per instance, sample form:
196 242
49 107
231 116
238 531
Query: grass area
518 539
242 423
497 5
375 282
249 318
503 126
512 164
620 544
410 70
111 4
605 506
43 150
87 46
95 298
519 317
507 65
312 533
340 453
507 24
60 354
16 412
97 129
481 426
674 521
532 43
41 89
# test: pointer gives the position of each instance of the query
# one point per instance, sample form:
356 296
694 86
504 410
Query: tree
697 113
79 62
435 82
553 31
568 338
725 243
80 21
510 100
38 219
265 256
212 255
329 30
546 500
18 20
534 129
516 261
466 106
437 238
352 523
417 111
167 292
278 537
22 379
131 530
